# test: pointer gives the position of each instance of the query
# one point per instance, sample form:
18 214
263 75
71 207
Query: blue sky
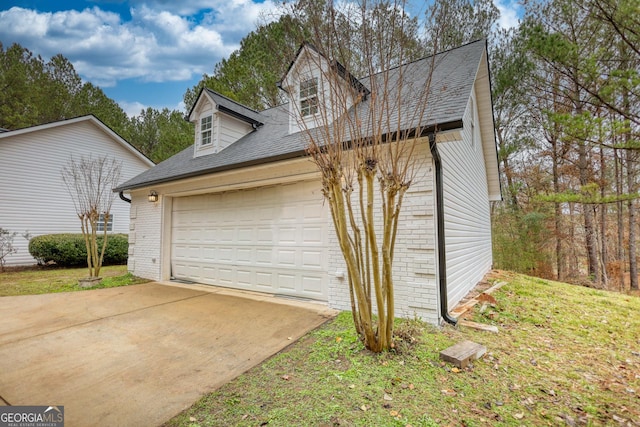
143 53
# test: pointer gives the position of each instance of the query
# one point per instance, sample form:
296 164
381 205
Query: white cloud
132 108
510 11
163 41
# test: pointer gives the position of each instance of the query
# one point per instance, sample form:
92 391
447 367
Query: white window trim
310 97
206 132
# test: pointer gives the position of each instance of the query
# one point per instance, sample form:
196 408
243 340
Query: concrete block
463 353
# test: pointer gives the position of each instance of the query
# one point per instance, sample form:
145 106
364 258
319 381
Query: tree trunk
619 206
587 210
557 211
508 172
633 263
603 220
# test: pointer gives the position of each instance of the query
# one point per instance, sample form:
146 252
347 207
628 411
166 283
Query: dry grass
44 280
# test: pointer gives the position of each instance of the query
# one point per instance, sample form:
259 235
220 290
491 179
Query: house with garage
33 197
243 207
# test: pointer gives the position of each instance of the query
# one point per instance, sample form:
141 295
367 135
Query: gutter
122 196
442 256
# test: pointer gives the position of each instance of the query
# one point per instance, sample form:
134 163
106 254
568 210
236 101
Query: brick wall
415 263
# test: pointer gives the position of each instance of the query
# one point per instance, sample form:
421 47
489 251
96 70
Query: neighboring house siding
415 284
33 196
466 208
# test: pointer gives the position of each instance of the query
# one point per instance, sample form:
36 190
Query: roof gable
307 49
313 83
227 106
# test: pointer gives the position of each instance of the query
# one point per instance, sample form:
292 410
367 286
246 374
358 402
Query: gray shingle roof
235 109
451 84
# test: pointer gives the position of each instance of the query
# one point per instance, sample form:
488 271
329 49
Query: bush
69 250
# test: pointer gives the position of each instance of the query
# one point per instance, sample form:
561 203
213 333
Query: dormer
219 122
319 90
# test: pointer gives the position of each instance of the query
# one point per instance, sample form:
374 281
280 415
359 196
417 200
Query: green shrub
69 250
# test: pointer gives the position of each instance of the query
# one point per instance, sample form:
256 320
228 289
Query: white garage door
268 239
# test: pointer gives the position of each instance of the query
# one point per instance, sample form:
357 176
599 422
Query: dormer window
205 130
309 97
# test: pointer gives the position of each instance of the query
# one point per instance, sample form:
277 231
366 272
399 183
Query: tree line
34 92
566 88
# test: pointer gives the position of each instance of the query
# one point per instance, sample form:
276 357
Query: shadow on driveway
138 355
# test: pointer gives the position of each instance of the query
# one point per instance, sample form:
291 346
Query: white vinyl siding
467 210
230 130
32 195
268 239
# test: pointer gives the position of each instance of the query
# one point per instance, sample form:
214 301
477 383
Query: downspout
442 256
122 196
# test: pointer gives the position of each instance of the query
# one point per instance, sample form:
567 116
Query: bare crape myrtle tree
362 134
90 183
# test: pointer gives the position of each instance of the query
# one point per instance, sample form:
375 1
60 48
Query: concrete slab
140 354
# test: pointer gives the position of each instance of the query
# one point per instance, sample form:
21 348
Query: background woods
566 88
570 168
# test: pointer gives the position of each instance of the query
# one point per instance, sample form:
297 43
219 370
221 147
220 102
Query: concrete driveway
138 355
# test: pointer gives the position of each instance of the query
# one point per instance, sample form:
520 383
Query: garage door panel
264 235
313 259
287 235
245 255
187 269
246 235
312 213
208 271
266 239
226 235
286 258
264 213
312 285
313 235
209 253
286 282
264 256
264 281
226 276
290 214
225 254
245 277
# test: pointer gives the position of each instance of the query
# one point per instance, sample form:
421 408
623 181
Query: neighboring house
33 196
243 207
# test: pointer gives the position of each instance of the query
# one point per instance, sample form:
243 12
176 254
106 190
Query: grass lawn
564 355
45 280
